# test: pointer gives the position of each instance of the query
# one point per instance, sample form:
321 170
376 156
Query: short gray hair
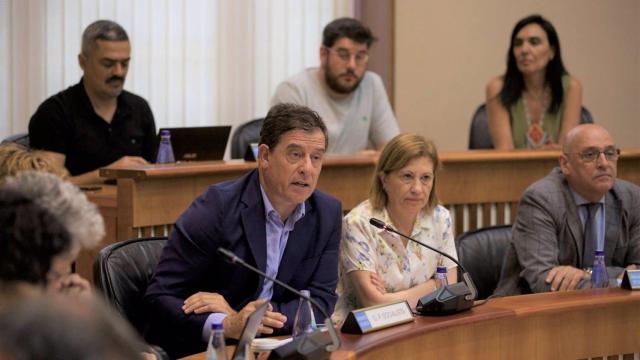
64 201
102 30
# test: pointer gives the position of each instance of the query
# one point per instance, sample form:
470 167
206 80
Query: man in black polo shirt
96 123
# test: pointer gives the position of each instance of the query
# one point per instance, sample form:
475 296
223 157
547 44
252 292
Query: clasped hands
564 278
205 302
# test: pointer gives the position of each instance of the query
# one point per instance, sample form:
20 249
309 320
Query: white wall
446 51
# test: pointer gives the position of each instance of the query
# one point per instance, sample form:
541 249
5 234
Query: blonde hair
15 158
397 154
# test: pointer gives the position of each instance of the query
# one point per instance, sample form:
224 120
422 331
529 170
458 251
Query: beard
332 81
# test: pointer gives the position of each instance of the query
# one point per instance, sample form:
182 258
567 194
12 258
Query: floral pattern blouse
399 267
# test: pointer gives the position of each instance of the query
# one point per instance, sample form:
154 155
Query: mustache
349 72
115 78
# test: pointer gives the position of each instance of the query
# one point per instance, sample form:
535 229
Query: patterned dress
399 267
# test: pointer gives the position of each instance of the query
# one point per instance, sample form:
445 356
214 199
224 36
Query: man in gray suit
547 252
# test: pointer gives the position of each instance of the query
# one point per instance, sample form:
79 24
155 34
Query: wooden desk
571 325
480 188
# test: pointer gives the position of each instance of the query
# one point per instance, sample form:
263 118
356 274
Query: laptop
199 143
249 331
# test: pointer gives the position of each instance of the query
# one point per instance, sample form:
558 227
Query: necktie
590 234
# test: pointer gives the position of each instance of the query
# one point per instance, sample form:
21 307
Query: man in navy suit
272 218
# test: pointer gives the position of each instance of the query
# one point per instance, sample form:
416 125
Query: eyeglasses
592 154
344 55
408 178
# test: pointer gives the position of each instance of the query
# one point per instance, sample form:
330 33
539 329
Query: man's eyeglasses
591 154
344 55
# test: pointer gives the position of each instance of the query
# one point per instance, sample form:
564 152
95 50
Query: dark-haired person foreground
63 328
33 244
551 250
272 218
351 100
536 102
96 123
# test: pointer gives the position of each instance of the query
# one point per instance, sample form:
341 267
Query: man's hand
564 278
72 284
129 161
234 323
203 302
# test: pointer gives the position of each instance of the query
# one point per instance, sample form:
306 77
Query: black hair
286 117
349 28
513 82
30 237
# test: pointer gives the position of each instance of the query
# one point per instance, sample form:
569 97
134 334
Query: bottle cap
599 252
165 133
217 326
441 269
305 293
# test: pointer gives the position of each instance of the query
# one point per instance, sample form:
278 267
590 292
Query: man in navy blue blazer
272 218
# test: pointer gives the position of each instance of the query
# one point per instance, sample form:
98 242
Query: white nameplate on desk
631 280
378 317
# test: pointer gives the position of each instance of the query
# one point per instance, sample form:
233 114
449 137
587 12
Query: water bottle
217 349
165 150
599 274
441 277
304 321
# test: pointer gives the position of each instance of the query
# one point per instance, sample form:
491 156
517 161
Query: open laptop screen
199 143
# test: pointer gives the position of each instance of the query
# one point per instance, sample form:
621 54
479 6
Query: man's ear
565 166
82 61
263 155
324 54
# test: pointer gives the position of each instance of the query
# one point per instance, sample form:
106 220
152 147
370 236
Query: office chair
481 252
19 138
479 137
122 272
244 135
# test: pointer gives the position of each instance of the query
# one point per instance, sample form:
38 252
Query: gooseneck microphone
308 345
449 299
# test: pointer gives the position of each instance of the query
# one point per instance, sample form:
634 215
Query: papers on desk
266 344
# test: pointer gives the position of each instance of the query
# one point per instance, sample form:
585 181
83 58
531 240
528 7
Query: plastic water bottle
217 349
599 274
165 150
304 321
441 277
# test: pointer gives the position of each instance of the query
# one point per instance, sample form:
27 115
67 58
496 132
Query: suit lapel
253 223
573 222
613 217
297 244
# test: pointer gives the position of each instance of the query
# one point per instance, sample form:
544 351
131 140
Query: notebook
199 143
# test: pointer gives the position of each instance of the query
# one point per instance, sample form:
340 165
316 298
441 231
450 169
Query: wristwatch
588 270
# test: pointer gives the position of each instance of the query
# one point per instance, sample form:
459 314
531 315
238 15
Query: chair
481 253
244 135
122 272
19 138
479 137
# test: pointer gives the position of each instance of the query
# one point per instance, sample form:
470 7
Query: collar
579 200
122 108
422 222
272 213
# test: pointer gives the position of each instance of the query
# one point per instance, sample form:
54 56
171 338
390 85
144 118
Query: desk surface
570 325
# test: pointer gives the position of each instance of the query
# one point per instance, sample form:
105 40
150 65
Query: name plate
362 321
631 280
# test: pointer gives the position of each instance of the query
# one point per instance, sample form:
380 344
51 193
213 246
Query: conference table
582 324
479 187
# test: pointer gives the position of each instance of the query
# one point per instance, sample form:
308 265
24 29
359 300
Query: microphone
312 345
446 300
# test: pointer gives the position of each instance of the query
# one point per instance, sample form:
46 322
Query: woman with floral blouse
378 267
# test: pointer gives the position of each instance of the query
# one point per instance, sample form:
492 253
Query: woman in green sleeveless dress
536 102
